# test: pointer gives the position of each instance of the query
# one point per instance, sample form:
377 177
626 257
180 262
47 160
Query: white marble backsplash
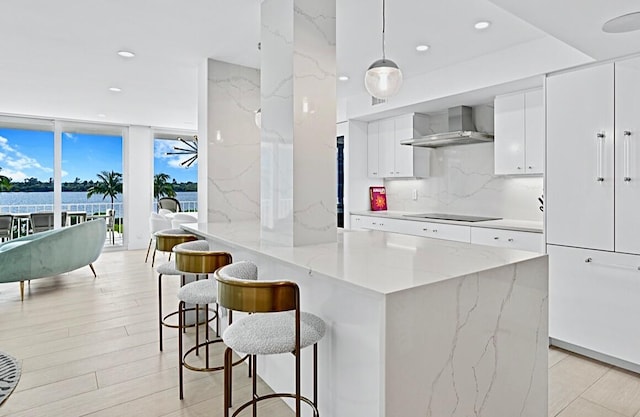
462 182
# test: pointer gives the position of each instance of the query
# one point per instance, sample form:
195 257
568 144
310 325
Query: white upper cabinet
519 133
579 194
387 158
373 154
627 156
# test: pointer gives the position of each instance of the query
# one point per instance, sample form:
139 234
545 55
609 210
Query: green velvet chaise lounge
50 253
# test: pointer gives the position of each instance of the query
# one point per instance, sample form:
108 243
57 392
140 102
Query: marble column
232 143
298 137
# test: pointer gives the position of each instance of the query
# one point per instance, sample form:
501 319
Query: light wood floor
89 347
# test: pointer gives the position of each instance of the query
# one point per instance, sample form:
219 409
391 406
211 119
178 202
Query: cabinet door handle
530 167
591 261
496 238
425 230
510 239
627 155
519 168
600 156
375 173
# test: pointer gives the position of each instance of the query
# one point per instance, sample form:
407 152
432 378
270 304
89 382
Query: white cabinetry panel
373 153
579 200
508 239
442 231
627 203
534 131
509 134
595 304
519 133
387 158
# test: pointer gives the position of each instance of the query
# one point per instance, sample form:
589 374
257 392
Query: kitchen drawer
508 239
441 231
376 223
593 301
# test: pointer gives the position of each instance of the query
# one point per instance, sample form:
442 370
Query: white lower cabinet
530 241
441 231
375 223
593 301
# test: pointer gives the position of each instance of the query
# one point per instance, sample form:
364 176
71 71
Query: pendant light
383 78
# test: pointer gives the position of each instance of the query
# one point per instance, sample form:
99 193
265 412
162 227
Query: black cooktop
457 217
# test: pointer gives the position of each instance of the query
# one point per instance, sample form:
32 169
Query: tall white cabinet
592 206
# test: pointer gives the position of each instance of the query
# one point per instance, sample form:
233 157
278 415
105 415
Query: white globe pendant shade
383 79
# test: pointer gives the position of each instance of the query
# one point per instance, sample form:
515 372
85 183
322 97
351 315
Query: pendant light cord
383 27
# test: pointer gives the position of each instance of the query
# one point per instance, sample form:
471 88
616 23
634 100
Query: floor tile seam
605 407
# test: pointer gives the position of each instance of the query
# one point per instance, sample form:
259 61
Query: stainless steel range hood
461 132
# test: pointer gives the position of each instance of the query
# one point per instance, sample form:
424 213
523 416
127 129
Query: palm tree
5 182
110 184
162 187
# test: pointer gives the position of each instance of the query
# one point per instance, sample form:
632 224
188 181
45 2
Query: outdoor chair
41 222
6 226
169 203
110 224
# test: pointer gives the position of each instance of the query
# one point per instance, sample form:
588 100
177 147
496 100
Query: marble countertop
506 224
377 261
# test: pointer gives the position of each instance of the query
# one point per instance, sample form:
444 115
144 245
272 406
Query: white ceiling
58 58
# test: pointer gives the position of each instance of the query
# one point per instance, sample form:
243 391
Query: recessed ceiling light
622 24
422 48
483 24
115 89
126 54
343 78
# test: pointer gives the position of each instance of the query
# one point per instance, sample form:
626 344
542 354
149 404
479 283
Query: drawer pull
496 238
510 239
435 230
425 230
591 261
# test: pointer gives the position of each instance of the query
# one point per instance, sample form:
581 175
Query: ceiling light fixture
191 151
422 48
115 89
622 24
343 78
383 78
126 54
481 25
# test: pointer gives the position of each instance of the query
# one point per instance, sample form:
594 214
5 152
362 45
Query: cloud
15 162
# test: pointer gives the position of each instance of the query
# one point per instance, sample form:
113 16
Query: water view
25 202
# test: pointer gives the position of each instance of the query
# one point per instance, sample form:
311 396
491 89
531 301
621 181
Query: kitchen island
415 326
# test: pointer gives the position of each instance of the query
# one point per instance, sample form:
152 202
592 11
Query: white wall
137 185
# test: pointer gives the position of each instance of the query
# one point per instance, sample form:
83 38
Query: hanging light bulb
383 78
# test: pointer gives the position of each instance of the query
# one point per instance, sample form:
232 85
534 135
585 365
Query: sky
29 153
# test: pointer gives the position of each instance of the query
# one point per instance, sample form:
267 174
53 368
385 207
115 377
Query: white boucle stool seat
168 268
200 292
193 246
272 333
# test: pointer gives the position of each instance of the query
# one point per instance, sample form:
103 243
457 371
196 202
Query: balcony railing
90 209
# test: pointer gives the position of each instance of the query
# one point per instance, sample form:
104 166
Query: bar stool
278 326
205 292
197 258
168 239
165 241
